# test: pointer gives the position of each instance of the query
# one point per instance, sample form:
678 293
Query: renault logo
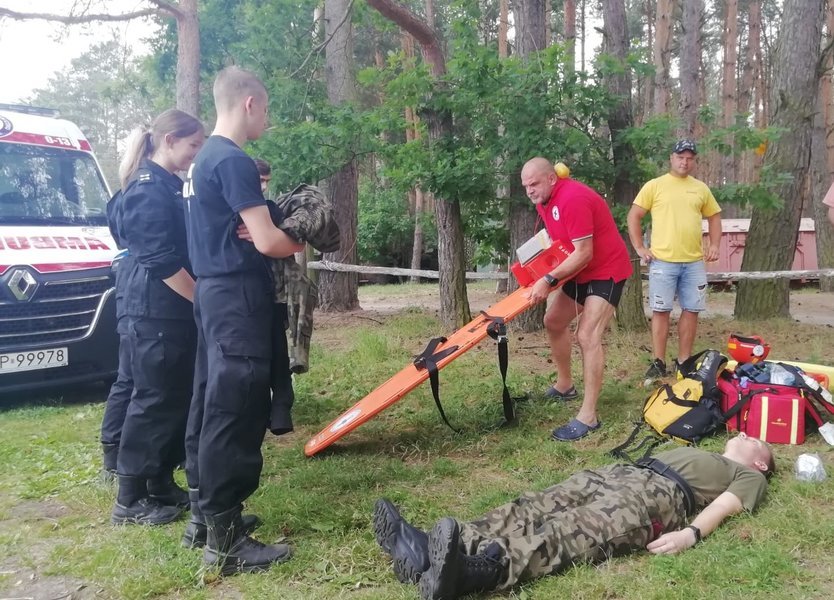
22 284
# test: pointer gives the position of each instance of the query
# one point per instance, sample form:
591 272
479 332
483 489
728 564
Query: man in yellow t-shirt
677 202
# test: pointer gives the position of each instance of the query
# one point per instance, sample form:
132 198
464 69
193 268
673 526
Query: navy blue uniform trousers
231 401
153 435
120 392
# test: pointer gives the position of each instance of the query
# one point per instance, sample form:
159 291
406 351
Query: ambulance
57 258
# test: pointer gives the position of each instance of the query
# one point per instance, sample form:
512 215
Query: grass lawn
56 540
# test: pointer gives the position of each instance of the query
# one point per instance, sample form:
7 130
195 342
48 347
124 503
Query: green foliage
386 227
762 194
651 142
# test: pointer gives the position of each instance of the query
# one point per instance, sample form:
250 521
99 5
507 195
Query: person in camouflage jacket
590 517
306 215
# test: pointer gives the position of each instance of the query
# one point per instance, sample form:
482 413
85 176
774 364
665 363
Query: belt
668 472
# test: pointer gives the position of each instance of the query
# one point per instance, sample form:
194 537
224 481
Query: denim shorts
687 281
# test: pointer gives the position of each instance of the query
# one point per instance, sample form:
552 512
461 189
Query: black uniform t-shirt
222 182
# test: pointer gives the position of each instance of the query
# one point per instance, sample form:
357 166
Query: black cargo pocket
163 351
149 364
243 377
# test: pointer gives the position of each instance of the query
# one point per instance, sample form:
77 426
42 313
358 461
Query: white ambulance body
57 302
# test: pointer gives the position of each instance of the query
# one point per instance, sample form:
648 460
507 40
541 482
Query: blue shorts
687 281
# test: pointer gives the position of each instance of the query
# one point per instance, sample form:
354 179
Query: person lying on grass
593 515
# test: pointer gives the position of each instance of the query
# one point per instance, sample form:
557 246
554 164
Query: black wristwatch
696 531
551 280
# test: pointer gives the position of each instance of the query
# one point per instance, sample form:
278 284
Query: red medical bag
779 414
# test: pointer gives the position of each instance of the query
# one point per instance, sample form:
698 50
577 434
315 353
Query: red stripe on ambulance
24 137
46 242
62 267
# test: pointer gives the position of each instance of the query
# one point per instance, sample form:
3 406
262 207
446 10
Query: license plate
32 360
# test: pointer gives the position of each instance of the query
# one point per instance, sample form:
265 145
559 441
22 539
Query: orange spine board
464 338
410 377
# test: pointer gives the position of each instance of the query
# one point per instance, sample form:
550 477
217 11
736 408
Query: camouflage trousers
590 517
293 288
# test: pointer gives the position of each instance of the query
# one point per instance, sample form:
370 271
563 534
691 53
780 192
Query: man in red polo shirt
597 268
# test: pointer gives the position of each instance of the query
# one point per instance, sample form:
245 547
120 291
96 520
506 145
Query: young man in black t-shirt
233 309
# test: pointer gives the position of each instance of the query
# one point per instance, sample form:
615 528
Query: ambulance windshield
50 186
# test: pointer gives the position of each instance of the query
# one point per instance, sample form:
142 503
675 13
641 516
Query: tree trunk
503 28
828 106
582 36
502 191
417 245
728 83
745 87
630 315
821 165
188 57
454 305
662 52
754 41
771 241
522 227
412 132
529 26
745 162
530 38
340 291
690 62
764 64
820 181
646 81
570 37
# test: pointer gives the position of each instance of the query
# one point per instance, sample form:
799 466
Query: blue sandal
573 431
569 394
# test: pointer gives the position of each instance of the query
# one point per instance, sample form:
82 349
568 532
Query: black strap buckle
497 330
428 360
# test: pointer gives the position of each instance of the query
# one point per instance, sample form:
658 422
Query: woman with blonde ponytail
137 146
158 296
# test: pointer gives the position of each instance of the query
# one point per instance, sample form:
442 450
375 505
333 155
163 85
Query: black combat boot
230 549
407 545
196 531
165 490
134 506
109 455
454 574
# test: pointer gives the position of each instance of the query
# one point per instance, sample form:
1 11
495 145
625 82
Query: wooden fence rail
324 265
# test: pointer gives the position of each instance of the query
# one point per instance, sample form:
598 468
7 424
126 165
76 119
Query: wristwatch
551 280
696 531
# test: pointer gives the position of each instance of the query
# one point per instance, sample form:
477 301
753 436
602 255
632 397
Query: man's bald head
538 179
234 85
538 164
